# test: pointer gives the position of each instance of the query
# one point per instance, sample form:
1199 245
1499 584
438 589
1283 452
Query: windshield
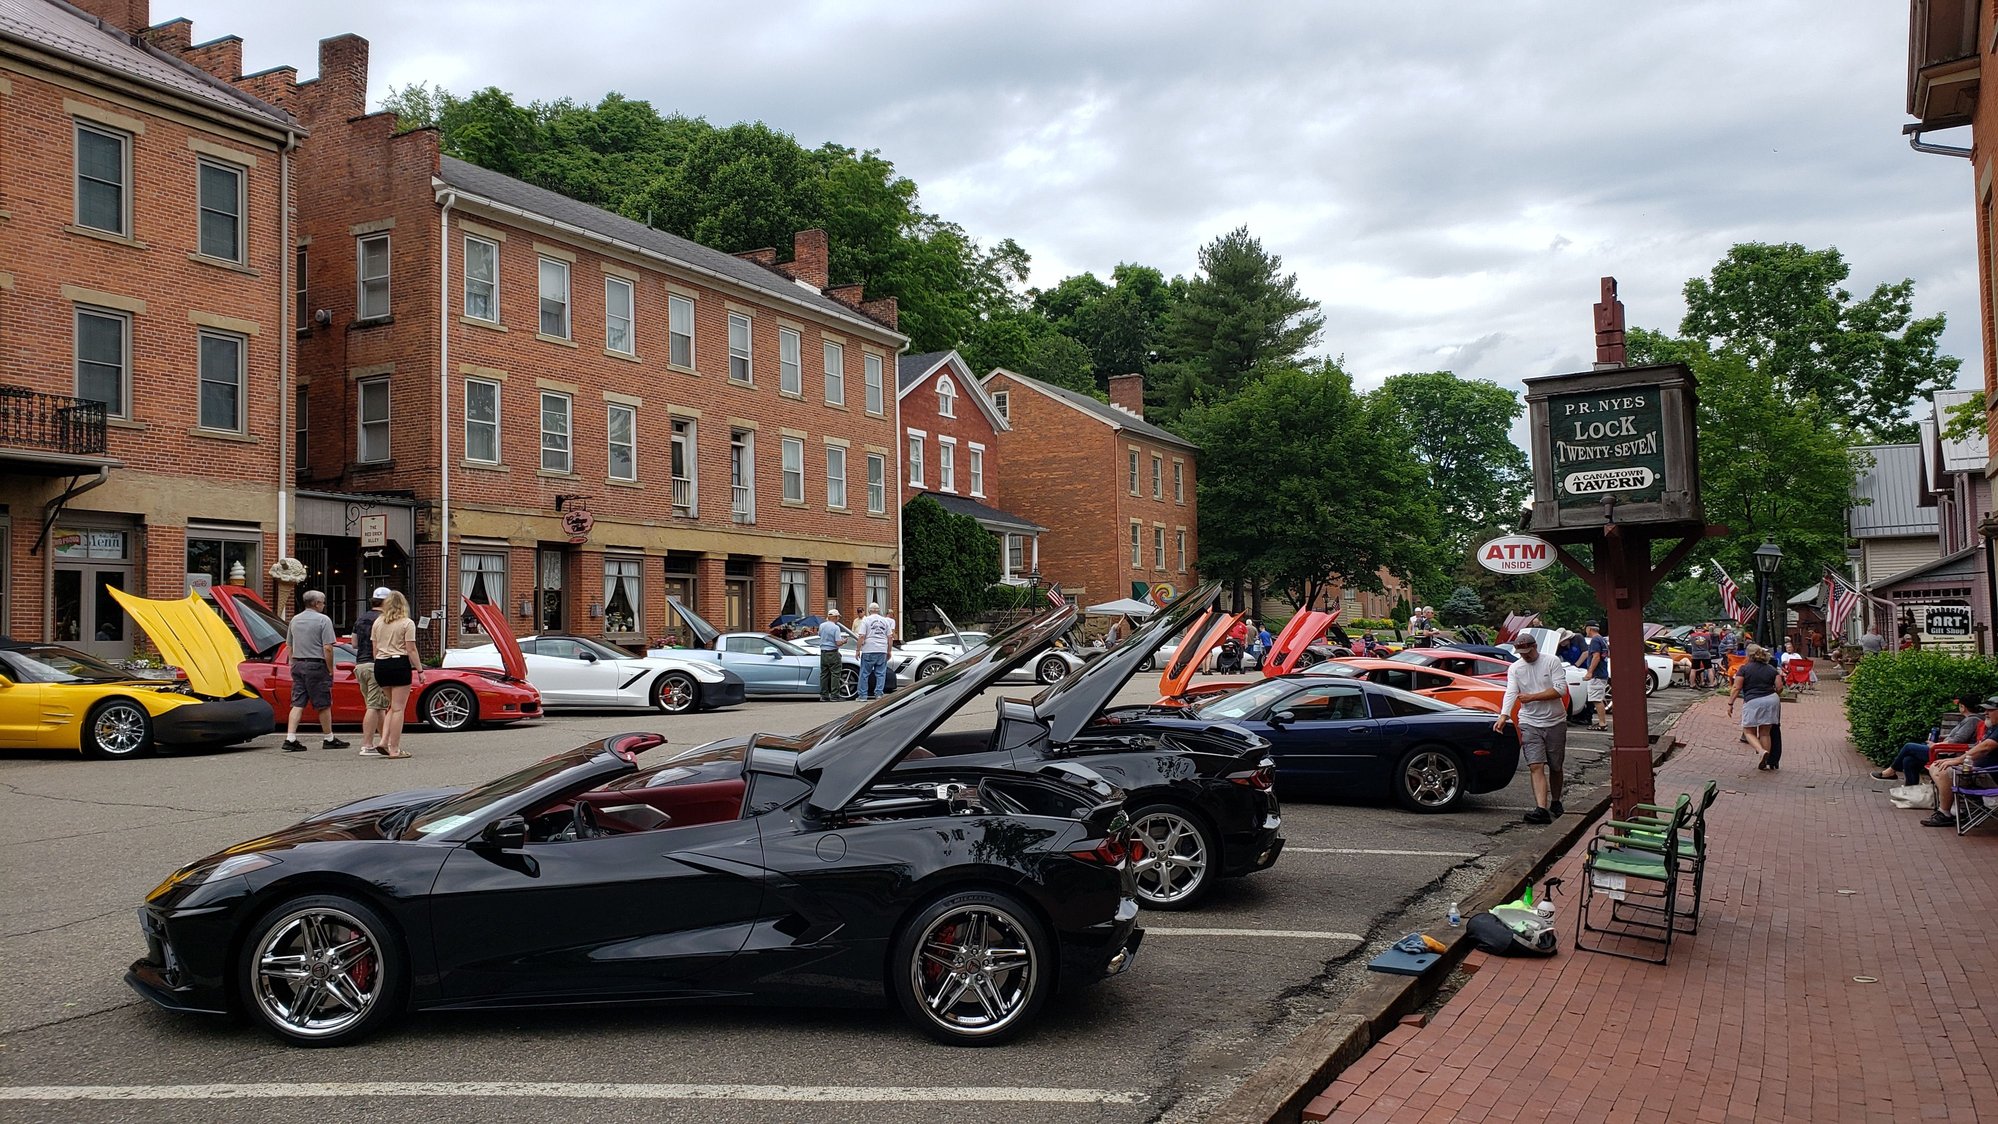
554 645
1246 701
57 665
266 632
485 800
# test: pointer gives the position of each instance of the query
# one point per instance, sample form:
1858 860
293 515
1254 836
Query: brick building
1115 492
564 411
144 325
950 452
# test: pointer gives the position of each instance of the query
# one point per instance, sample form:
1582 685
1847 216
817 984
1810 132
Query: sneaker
370 751
1555 808
332 743
293 745
1538 815
1939 819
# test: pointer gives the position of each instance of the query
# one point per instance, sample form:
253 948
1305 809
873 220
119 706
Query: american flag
1054 596
1731 599
1840 600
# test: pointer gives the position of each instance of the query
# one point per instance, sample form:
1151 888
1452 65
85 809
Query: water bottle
1456 918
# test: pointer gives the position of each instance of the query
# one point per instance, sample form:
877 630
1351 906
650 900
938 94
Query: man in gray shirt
1872 642
311 640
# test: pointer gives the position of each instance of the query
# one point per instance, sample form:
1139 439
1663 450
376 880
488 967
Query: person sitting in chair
1946 774
1914 756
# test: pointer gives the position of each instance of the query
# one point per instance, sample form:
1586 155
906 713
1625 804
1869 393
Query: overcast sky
1449 178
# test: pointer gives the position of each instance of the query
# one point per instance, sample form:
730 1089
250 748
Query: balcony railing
742 504
53 423
683 495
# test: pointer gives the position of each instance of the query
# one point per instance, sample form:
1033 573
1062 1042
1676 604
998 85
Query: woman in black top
1762 704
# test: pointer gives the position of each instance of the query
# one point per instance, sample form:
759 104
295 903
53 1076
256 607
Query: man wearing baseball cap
373 694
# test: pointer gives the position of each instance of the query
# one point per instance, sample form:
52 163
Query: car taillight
1112 850
1262 777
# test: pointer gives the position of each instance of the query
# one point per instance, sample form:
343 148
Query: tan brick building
564 411
144 330
1115 492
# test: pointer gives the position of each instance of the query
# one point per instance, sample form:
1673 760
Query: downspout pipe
287 343
449 199
1916 142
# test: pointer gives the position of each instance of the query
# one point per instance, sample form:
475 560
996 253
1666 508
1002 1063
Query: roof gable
912 371
1116 417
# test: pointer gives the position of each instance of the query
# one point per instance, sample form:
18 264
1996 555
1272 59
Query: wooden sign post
1616 466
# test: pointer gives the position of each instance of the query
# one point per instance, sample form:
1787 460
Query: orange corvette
1444 686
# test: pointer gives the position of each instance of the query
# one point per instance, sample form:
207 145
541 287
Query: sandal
398 755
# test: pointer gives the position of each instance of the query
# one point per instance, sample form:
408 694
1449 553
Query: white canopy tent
1124 607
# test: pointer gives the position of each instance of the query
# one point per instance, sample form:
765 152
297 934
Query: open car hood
1075 700
1298 635
493 621
1205 635
843 757
704 633
191 637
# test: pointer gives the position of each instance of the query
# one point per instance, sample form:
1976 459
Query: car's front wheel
1178 866
972 968
450 706
1051 669
1304 660
116 730
848 686
1429 779
322 970
675 693
929 667
1651 684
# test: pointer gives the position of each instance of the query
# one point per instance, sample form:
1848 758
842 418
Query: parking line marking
586 1090
1292 934
1374 851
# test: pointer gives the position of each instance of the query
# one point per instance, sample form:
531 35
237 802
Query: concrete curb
1278 1090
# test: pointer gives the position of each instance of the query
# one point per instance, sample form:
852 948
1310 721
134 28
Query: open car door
1201 639
1290 644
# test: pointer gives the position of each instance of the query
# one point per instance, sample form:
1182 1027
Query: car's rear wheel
1429 778
1651 684
930 667
1051 669
1178 867
449 706
322 970
1305 659
847 686
972 968
675 693
1147 665
116 730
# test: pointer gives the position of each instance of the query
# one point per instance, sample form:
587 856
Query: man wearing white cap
373 694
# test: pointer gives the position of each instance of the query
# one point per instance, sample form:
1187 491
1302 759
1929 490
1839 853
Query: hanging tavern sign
1614 445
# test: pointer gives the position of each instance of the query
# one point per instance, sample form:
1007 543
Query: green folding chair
1692 848
1634 867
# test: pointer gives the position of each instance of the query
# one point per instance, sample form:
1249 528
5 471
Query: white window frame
683 432
875 584
362 310
1015 543
124 140
1132 455
473 565
1002 404
629 317
1158 477
877 484
946 396
744 478
471 424
679 306
835 363
791 467
241 380
1158 549
790 362
386 423
916 437
975 466
792 579
872 372
836 477
567 449
239 252
541 306
473 282
1137 550
124 321
612 444
740 369
619 567
947 464
1179 534
1179 481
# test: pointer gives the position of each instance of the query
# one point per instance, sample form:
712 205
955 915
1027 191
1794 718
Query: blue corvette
767 665
1344 736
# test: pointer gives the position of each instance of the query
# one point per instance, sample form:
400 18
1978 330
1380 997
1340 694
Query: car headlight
197 873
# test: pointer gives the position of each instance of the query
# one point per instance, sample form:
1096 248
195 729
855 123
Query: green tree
1784 311
1463 436
1462 607
1348 504
1021 340
1239 314
948 560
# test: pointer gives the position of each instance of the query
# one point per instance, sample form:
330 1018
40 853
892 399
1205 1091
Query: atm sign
1516 554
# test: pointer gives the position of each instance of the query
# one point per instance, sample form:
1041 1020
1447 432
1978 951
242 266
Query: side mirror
509 833
589 656
1282 718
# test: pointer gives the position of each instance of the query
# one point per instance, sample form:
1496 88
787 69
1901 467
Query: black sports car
1201 795
763 869
1337 735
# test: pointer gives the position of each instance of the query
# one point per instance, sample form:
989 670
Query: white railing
742 504
683 495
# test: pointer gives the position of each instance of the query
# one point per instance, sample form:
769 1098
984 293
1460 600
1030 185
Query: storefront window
481 578
622 598
217 558
791 583
877 590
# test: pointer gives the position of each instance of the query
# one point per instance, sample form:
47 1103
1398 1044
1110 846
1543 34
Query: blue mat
1396 962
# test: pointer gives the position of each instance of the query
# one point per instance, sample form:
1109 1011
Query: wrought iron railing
56 423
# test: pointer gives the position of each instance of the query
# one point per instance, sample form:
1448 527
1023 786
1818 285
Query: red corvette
452 698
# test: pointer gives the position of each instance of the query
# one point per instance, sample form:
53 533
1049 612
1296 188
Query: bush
1364 624
1894 697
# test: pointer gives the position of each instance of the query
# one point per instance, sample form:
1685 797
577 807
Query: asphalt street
1214 992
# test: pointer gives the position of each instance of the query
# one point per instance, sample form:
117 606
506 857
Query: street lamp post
1768 557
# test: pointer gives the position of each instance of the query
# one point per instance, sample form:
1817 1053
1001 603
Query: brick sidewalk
1757 1017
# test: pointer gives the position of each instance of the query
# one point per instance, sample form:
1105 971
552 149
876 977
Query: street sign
374 531
1608 443
1614 446
1516 554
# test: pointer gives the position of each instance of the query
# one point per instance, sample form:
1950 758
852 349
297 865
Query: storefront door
549 563
736 603
90 561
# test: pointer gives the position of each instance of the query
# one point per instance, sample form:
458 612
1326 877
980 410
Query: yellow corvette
52 697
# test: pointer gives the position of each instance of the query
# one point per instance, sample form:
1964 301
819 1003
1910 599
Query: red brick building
144 326
1115 492
567 412
950 452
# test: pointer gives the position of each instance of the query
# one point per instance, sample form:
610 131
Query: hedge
1894 697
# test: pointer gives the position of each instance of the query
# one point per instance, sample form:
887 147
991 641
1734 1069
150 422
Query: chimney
128 16
1128 391
222 57
343 75
883 311
810 258
174 36
848 295
765 256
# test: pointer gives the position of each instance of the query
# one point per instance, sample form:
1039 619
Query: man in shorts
1595 661
1536 688
374 696
1700 646
311 639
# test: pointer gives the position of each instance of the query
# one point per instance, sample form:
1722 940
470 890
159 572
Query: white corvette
581 672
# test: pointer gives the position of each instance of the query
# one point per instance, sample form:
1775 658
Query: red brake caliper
932 971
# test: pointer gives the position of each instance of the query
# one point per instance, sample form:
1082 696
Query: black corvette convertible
808 869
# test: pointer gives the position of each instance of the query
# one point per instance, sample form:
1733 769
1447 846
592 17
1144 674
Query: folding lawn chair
1692 848
1976 798
1797 673
1633 865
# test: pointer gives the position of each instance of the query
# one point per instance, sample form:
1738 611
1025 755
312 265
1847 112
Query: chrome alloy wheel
318 971
449 707
1176 859
1431 779
974 970
120 728
675 694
